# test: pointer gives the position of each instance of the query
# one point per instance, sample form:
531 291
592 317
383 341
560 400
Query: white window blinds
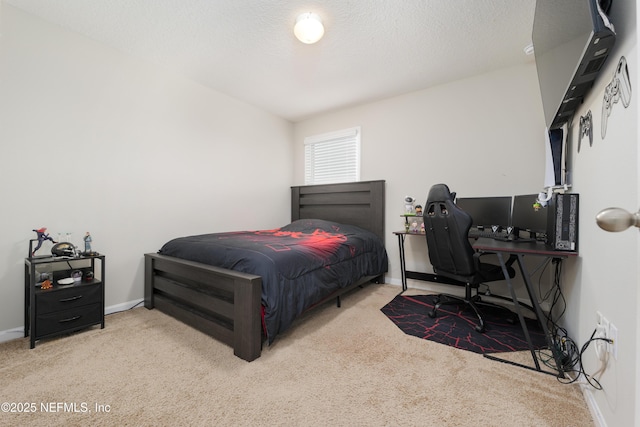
332 157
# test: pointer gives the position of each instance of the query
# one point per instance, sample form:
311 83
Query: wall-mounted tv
572 40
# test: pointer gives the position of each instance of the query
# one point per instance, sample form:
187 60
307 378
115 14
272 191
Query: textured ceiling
372 49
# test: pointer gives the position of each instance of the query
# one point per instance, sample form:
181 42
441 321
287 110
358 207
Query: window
332 157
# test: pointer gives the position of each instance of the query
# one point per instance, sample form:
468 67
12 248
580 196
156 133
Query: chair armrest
476 259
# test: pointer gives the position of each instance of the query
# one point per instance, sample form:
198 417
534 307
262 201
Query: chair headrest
440 193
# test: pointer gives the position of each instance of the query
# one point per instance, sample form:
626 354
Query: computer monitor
526 216
487 211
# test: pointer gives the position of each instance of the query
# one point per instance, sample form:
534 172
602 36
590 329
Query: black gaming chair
452 255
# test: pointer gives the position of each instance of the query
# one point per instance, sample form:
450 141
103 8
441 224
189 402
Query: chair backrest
447 228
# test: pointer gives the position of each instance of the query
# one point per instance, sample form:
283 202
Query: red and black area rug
454 326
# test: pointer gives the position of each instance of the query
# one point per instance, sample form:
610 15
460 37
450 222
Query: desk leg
540 316
523 324
27 299
403 268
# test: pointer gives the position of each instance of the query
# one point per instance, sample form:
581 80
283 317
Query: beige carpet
337 366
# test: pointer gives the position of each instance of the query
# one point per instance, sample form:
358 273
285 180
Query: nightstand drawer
68 320
64 299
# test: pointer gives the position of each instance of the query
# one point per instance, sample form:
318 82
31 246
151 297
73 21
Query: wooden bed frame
226 304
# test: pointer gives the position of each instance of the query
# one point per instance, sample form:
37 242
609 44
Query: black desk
519 251
504 251
417 275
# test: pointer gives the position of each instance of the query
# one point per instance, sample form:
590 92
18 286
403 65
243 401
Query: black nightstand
63 308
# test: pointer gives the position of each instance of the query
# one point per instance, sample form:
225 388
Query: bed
230 304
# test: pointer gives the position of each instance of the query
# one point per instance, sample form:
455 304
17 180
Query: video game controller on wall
618 89
586 129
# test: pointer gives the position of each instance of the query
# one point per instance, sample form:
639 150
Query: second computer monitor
487 211
528 215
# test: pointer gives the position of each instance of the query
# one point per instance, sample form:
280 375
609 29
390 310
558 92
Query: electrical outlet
599 317
613 336
601 346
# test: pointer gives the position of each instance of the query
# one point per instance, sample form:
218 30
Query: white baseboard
15 333
11 334
594 409
124 306
392 281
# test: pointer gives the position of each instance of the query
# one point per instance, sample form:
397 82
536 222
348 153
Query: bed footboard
222 303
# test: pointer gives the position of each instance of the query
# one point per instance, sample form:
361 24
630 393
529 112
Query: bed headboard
356 203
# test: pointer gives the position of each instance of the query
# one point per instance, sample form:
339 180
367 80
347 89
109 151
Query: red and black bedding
300 264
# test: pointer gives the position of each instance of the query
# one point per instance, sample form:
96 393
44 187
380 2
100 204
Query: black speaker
562 222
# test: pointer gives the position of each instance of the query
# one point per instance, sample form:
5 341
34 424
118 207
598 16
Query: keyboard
518 240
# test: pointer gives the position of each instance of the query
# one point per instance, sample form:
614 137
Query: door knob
617 219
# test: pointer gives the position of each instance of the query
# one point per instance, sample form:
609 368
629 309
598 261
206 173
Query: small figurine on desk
409 205
42 236
418 210
87 243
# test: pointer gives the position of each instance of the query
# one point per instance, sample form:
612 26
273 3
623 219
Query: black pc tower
562 222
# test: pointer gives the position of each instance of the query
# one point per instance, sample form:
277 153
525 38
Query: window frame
322 151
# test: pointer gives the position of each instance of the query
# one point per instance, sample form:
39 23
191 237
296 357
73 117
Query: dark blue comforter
300 263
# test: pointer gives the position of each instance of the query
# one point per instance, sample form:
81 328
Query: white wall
605 278
482 136
91 140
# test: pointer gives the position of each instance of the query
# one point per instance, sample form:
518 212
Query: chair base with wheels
472 301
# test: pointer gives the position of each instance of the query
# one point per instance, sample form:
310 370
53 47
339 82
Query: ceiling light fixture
308 28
